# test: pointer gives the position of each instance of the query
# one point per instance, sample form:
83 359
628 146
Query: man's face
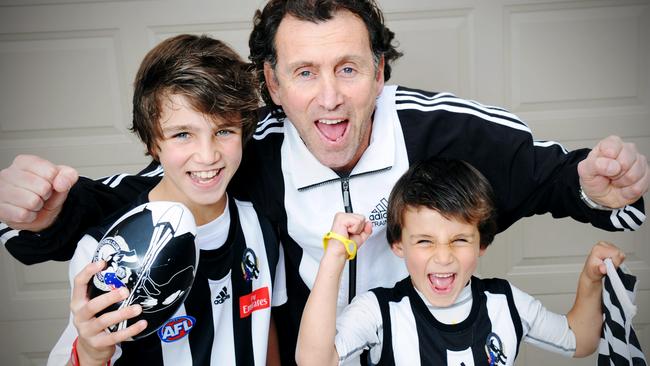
441 254
327 82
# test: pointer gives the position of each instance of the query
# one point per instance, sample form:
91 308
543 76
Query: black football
151 251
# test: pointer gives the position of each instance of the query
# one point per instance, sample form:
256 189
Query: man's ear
396 247
379 79
272 83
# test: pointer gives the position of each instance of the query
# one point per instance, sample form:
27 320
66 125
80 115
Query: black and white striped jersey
483 327
300 196
225 318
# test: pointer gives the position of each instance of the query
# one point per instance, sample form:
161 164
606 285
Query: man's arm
86 204
585 317
318 324
529 176
33 192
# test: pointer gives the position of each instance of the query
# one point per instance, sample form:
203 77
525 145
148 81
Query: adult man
345 140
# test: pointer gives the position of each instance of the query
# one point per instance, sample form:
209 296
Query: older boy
441 219
194 106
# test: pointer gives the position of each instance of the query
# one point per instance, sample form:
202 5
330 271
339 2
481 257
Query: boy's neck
203 214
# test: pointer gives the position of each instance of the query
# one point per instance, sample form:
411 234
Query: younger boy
194 106
441 218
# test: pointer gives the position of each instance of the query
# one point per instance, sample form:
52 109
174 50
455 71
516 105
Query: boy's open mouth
442 282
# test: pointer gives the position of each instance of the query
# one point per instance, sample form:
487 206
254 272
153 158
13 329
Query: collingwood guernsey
226 317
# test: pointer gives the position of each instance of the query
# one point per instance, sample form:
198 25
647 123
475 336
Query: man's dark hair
453 188
267 21
208 73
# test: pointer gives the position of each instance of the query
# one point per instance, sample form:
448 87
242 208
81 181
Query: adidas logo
379 214
222 297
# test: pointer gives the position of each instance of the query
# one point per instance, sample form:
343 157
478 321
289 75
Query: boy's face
199 156
441 255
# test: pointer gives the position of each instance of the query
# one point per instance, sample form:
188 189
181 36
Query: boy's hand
351 226
595 268
32 192
96 345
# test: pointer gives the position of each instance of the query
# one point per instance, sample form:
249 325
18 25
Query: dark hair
267 21
453 188
211 75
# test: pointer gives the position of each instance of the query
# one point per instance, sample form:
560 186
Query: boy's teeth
204 174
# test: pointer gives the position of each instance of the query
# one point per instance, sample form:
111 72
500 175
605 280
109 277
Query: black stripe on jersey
387 357
5 230
272 252
109 180
241 326
626 213
202 335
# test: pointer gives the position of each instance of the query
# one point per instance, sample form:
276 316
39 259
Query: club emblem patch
494 350
249 265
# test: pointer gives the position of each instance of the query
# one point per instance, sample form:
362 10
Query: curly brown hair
267 21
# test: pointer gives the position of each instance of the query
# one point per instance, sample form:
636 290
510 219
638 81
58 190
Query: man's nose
329 93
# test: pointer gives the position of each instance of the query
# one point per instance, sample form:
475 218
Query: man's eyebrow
342 59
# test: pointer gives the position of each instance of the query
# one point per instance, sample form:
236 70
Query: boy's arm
318 324
586 317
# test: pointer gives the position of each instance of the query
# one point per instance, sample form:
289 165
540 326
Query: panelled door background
575 71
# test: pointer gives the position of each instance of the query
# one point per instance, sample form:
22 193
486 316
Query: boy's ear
271 83
396 247
482 251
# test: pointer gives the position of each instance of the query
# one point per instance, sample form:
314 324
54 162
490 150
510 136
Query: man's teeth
205 174
330 121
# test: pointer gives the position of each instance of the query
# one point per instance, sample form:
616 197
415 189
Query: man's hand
32 192
614 174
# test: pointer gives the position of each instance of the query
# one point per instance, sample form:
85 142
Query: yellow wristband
349 244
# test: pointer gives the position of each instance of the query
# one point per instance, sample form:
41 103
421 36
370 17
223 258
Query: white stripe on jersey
406 345
8 235
155 172
263 123
628 220
456 109
549 143
443 98
268 131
